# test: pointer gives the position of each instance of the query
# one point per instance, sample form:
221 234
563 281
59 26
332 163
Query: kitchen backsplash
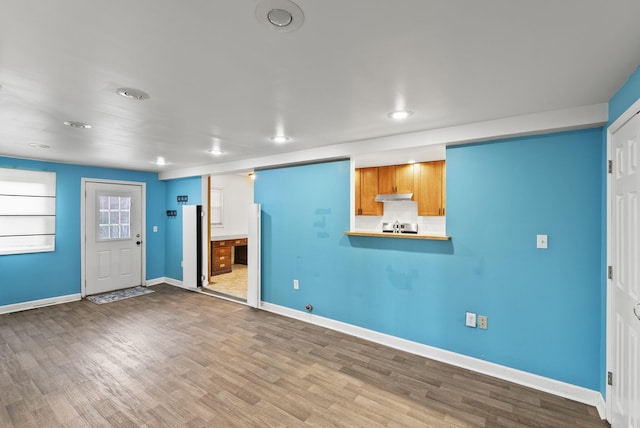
404 212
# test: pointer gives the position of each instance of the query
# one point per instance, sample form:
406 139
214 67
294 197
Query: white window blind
27 211
216 208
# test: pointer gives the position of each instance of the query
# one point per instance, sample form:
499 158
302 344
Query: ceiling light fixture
216 151
134 94
39 146
279 15
400 114
411 162
161 161
77 125
280 139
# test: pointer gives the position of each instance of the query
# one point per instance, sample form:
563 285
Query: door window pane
114 217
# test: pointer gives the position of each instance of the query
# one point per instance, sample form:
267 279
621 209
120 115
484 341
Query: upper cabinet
425 180
430 191
396 178
366 192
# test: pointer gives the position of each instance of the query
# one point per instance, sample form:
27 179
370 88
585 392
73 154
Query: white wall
237 195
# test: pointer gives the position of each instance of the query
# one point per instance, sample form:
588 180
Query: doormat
101 299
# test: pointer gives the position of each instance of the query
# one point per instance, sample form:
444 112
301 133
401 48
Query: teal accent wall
27 277
544 306
191 187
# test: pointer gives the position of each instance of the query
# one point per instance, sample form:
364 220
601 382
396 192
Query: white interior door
113 233
624 287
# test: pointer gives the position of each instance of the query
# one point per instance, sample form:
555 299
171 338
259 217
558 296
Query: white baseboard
156 281
552 386
32 304
601 406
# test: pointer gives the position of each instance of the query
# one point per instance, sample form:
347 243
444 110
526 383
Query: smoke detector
279 15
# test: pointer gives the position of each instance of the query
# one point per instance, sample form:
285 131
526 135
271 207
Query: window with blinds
27 211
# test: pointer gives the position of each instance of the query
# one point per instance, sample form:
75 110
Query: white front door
113 234
624 286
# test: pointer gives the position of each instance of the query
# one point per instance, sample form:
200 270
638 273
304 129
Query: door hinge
609 378
610 167
610 272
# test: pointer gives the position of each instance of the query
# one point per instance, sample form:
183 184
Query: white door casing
113 244
623 326
253 257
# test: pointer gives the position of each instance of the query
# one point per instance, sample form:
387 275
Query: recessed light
280 139
161 161
411 162
134 94
400 114
216 151
77 125
279 15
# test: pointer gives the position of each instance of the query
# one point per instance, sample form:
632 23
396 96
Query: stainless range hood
388 197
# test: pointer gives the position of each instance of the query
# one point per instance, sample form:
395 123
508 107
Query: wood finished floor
176 358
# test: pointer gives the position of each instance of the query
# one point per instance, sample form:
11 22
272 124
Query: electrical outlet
483 322
471 319
296 284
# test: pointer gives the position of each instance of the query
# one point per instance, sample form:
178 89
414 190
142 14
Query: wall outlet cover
471 319
483 322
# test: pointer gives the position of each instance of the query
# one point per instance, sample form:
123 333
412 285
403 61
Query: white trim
32 304
156 281
552 386
83 232
612 129
624 118
590 116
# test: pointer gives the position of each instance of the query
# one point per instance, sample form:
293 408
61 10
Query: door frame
83 232
610 323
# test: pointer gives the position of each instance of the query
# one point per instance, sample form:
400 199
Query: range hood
388 197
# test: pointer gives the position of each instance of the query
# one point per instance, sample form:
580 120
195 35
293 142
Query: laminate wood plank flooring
176 358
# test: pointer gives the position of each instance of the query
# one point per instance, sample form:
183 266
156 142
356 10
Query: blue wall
190 187
26 277
499 196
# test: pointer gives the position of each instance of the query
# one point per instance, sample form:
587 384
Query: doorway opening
229 198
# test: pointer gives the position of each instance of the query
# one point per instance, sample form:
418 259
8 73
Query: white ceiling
213 71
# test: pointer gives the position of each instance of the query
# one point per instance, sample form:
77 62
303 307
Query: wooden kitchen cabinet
430 188
366 182
396 178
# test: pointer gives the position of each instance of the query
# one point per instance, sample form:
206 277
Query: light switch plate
471 319
543 241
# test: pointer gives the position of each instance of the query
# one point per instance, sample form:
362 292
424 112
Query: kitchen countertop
400 235
228 237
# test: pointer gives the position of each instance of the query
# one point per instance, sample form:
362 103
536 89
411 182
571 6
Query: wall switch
155 228
543 241
471 319
296 284
483 322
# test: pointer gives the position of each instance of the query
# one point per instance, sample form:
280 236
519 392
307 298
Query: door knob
636 310
138 242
